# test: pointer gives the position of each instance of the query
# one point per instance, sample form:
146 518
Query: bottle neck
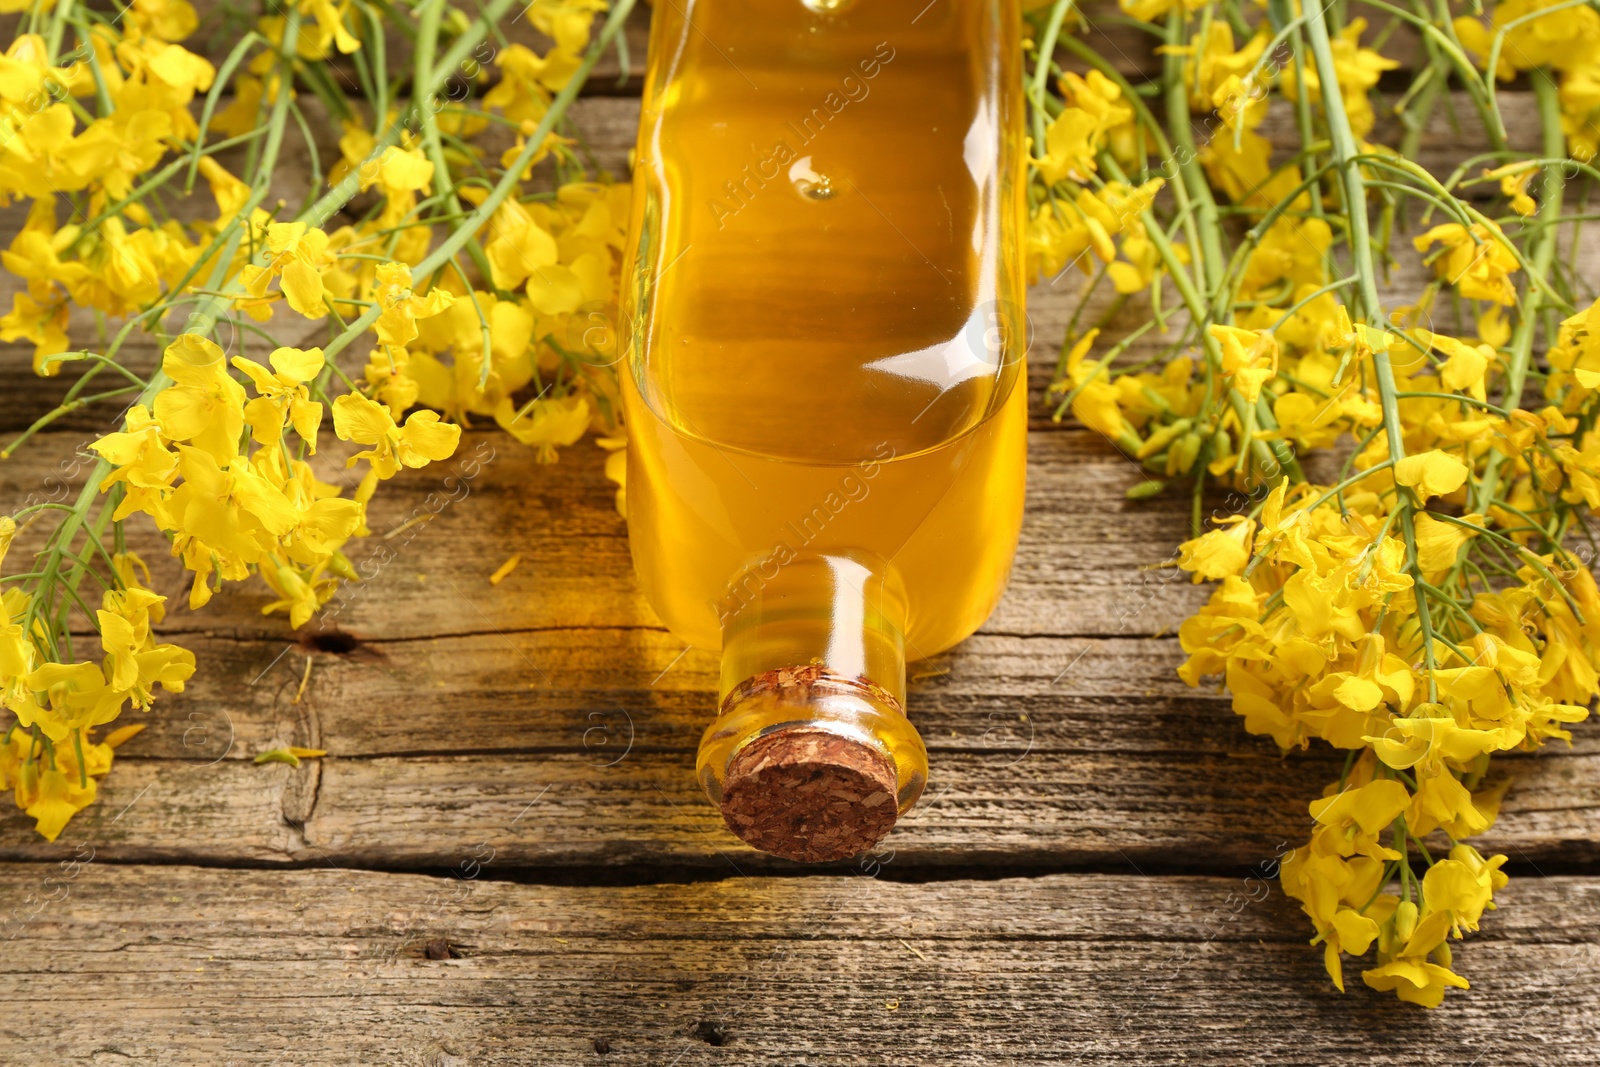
839 611
812 756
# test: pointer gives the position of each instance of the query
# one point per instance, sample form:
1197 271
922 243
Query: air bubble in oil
809 183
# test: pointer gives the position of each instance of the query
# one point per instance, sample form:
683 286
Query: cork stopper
810 795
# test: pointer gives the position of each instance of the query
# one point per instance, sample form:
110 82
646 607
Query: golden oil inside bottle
824 383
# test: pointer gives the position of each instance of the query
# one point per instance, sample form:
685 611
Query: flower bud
1405 920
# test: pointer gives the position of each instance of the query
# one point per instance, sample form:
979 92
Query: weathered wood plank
181 965
544 811
465 701
605 691
575 747
1081 568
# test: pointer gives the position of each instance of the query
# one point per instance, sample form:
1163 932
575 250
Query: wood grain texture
1060 735
1082 566
1113 811
336 967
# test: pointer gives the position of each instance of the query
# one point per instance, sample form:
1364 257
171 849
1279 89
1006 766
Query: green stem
1346 156
1209 244
423 74
1041 69
1544 251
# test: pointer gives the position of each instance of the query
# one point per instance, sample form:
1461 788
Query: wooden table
505 859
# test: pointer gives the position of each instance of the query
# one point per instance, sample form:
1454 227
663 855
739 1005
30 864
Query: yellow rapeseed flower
421 440
204 406
282 396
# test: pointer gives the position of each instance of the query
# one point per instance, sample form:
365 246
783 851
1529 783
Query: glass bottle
824 380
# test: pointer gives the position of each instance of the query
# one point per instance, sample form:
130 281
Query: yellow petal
1371 807
1356 931
1433 473
1126 277
355 418
123 733
297 364
555 290
259 376
1220 553
303 289
192 360
424 438
405 171
504 569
